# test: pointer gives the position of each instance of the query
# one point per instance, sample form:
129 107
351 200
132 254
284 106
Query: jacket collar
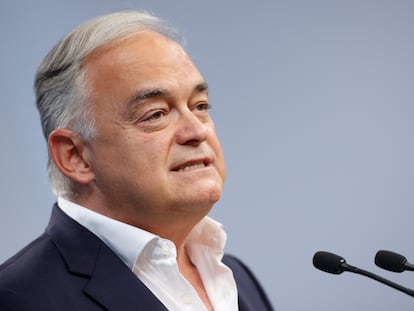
111 282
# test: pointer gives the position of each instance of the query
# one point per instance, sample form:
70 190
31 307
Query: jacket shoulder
25 260
20 274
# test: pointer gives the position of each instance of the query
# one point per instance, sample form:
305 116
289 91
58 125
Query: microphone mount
332 263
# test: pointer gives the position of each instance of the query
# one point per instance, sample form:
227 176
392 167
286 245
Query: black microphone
335 264
392 261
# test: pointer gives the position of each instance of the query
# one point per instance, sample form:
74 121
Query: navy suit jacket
69 268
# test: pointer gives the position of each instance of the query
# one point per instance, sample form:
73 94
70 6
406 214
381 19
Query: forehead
146 60
144 51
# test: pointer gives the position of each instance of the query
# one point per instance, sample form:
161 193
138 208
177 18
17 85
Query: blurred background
313 102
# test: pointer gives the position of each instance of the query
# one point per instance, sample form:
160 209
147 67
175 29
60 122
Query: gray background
313 104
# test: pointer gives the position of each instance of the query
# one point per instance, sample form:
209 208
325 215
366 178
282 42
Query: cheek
220 163
222 167
153 152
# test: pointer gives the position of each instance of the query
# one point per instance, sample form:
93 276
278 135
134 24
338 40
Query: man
136 165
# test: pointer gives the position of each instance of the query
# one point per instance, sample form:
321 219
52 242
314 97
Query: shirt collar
128 242
125 240
208 234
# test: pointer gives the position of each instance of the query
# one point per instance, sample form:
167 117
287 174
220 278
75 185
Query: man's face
155 149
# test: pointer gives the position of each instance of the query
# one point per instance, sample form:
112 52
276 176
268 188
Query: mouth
192 165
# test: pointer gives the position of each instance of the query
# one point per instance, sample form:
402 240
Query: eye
156 115
203 106
153 115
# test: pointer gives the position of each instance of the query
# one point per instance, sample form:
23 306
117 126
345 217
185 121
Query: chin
203 199
201 192
211 196
215 196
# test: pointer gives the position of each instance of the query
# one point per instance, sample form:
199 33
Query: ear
66 151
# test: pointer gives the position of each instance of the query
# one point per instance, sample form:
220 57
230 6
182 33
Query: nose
191 130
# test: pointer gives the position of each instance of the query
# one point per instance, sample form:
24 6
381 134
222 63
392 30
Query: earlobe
66 151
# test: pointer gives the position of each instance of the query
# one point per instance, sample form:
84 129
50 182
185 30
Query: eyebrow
201 88
149 93
144 94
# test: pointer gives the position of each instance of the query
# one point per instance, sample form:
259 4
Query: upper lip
206 162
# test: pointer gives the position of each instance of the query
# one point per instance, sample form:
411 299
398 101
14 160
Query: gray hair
62 98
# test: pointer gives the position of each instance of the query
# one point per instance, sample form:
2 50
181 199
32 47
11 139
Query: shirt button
186 298
166 251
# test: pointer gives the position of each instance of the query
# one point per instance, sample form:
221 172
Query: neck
172 223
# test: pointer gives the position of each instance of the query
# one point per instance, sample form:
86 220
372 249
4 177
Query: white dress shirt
153 259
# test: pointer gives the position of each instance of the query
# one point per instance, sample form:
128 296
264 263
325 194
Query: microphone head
329 262
390 261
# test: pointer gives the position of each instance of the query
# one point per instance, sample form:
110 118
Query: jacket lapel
117 288
111 282
251 295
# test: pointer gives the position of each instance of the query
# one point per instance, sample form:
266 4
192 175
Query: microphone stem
378 278
408 266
